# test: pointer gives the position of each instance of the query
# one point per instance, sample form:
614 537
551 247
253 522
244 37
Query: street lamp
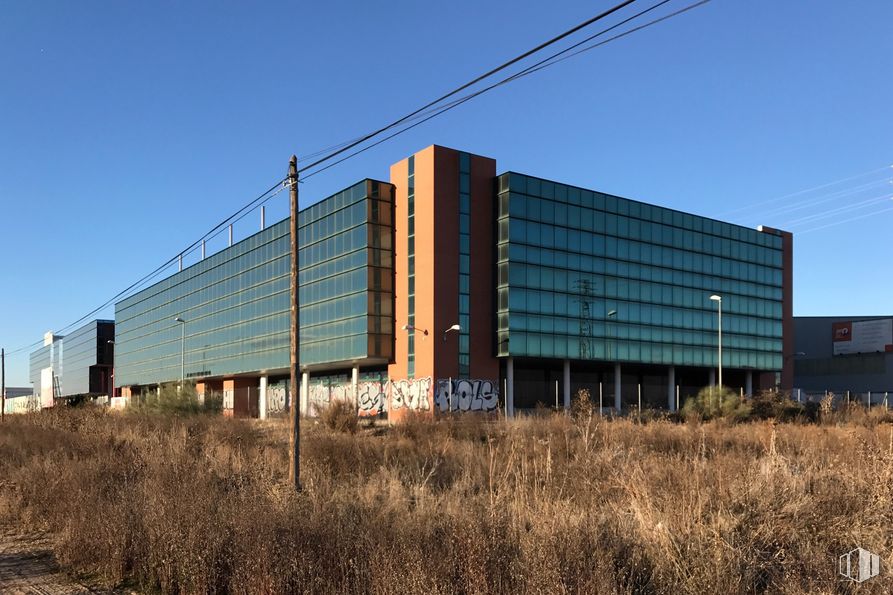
409 327
111 345
182 350
612 314
718 300
455 327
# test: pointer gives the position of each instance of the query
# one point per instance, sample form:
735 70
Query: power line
823 198
848 220
425 110
347 145
529 70
474 81
796 210
799 192
835 211
121 294
621 35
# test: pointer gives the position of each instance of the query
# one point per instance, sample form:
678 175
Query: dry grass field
198 504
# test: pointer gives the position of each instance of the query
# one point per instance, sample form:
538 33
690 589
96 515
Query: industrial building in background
453 288
80 364
844 354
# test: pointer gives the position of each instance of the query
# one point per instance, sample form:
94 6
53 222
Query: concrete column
262 398
510 387
617 388
748 384
712 380
671 389
305 393
566 384
354 381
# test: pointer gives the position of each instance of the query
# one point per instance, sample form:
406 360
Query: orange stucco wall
437 266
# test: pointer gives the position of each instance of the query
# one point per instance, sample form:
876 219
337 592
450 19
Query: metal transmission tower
584 288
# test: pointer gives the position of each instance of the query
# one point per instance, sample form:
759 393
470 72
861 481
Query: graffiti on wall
275 399
320 396
23 404
411 394
228 398
466 395
372 398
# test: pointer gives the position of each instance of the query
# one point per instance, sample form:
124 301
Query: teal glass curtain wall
236 303
567 257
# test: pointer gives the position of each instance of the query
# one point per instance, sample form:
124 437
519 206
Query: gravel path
27 566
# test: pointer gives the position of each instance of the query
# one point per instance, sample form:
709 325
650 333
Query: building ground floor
523 384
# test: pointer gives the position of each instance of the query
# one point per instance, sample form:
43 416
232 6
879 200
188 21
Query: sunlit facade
224 321
77 364
506 291
601 281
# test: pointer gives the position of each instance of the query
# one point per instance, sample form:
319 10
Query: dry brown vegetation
198 503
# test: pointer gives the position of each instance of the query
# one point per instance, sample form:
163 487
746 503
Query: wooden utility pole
294 435
2 385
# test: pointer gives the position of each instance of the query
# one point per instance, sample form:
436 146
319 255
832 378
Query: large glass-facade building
227 316
592 277
507 290
347 278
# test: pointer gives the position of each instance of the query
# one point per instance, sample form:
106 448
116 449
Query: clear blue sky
127 129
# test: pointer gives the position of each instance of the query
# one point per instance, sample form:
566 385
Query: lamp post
718 300
111 345
455 327
409 327
612 314
182 350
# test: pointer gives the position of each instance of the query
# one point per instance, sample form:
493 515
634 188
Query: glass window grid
410 260
464 264
596 200
760 352
237 303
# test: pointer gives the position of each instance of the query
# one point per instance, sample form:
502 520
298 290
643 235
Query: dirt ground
27 566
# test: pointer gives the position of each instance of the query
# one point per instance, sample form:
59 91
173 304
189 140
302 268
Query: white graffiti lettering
411 394
466 395
372 398
275 399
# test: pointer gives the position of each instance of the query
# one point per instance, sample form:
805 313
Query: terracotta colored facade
436 214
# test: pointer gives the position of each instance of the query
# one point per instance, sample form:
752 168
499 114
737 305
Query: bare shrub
581 407
173 399
340 416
